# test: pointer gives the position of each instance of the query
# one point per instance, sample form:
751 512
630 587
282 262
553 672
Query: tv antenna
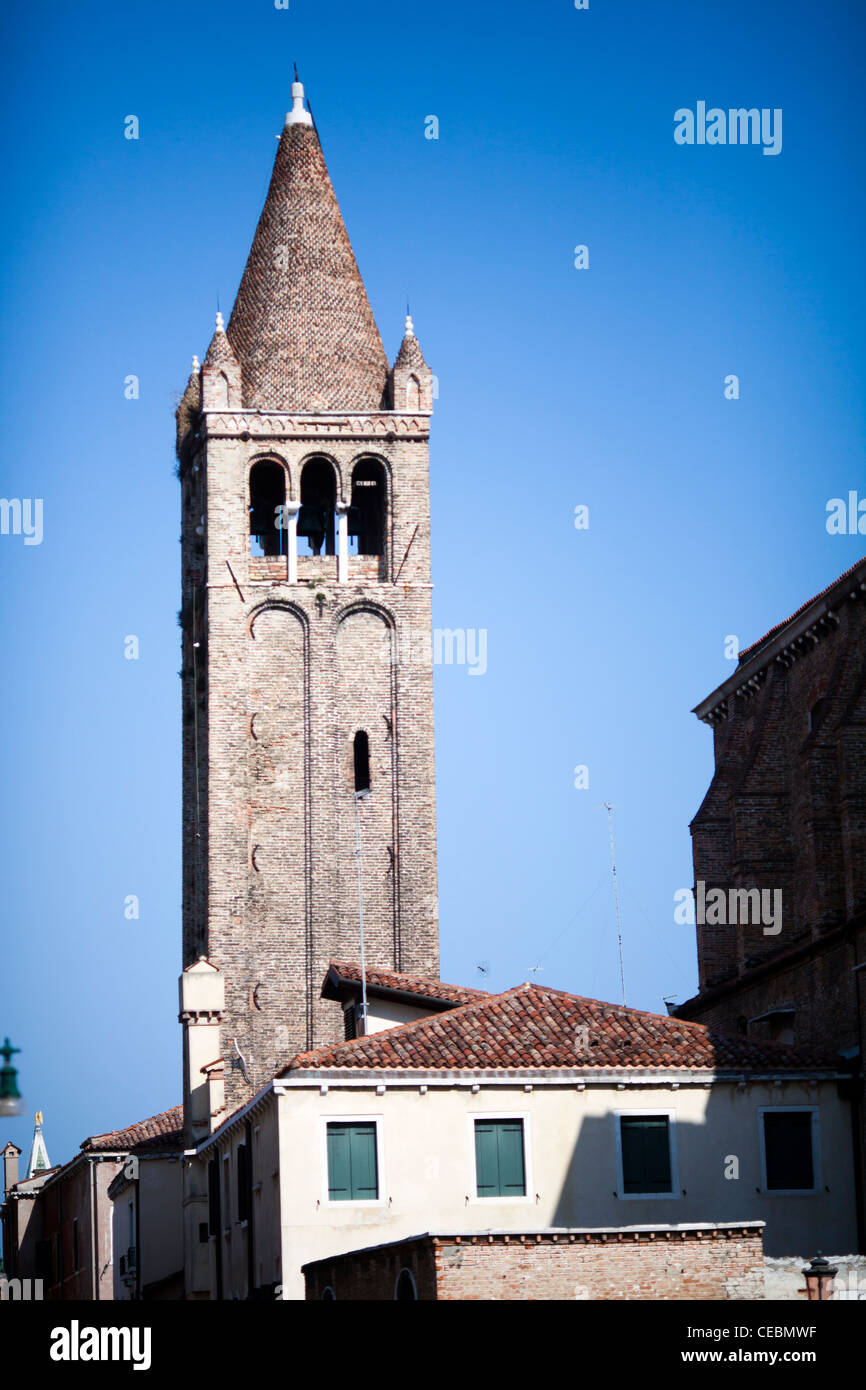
609 808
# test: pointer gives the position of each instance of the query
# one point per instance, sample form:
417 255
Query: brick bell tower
307 666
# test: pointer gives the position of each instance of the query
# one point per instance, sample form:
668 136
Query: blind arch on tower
366 702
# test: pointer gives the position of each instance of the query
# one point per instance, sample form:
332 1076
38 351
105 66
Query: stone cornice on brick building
555 1235
771 965
276 425
785 643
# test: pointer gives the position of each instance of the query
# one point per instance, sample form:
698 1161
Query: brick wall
787 809
787 804
709 1263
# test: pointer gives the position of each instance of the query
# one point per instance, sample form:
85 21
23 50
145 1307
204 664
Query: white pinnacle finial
196 365
220 323
297 115
410 329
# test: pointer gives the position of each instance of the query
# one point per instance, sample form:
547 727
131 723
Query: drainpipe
94 1244
858 1120
857 1129
137 1190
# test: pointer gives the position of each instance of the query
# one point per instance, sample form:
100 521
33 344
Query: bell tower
306 621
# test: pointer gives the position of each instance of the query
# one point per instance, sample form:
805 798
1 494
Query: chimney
202 1002
11 1156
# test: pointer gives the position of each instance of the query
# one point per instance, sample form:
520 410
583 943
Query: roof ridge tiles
752 649
163 1125
532 1026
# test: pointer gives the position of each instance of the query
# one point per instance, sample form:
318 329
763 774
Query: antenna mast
361 796
609 808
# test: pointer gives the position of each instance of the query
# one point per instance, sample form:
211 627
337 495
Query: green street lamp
10 1097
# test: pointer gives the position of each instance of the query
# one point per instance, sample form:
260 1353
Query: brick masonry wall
710 1264
820 983
787 804
787 809
288 674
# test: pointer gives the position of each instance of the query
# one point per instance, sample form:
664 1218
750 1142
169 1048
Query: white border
353 1119
647 1110
817 1183
529 1194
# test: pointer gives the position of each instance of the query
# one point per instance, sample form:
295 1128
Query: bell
312 524
311 520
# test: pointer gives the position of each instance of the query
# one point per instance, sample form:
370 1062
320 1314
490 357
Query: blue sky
558 387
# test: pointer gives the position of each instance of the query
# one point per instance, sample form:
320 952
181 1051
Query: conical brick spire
302 328
190 403
411 379
219 353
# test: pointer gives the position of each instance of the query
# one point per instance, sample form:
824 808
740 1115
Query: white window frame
529 1196
643 1112
818 1185
326 1199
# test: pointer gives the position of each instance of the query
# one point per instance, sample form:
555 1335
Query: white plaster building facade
712 1123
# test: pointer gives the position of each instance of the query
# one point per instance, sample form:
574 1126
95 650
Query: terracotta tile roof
302 328
537 1028
164 1131
392 981
747 652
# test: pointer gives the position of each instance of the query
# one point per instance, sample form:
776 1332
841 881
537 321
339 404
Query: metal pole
609 809
360 796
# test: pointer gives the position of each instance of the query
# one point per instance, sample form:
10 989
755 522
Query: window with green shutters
788 1150
499 1166
353 1174
645 1142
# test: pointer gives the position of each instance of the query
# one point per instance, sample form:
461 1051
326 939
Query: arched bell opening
367 511
267 504
318 505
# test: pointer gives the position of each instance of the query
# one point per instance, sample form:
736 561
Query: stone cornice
794 640
570 1078
390 424
769 966
658 1231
